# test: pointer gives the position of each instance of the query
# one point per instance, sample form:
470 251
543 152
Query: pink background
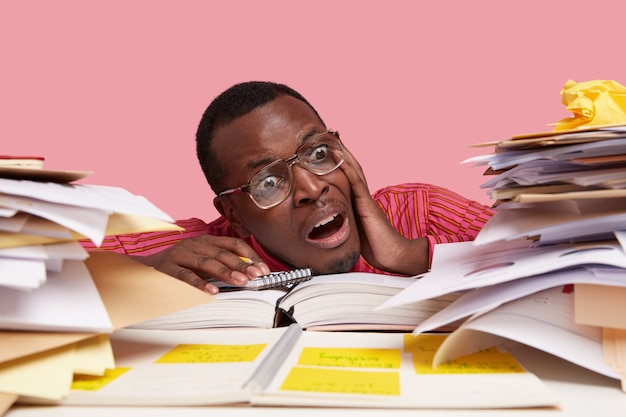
118 87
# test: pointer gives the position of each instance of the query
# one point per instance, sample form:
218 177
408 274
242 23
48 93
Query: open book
325 302
288 366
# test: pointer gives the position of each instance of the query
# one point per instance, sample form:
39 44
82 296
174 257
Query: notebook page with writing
394 370
165 368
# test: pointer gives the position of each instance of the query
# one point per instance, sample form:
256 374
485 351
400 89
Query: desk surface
580 392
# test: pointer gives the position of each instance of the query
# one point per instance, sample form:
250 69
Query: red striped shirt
415 210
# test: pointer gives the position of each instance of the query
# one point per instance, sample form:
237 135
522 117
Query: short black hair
237 101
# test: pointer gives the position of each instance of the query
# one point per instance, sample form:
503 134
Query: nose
307 187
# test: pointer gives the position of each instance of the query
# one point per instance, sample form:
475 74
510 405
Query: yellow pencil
246 260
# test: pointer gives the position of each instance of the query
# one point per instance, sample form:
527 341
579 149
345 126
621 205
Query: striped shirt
414 209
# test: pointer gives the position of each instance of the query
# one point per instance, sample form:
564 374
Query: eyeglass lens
272 184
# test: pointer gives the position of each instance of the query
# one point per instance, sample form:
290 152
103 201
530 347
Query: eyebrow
261 163
311 132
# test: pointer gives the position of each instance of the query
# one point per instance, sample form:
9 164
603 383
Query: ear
226 209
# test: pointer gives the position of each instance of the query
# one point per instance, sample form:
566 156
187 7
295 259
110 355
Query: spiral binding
280 279
273 280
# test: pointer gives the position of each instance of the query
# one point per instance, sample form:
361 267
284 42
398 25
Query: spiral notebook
273 280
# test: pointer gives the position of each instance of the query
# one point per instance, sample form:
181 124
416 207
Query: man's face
315 225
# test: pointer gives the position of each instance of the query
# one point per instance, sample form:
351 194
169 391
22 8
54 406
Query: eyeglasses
320 155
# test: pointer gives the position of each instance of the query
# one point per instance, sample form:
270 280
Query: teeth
326 221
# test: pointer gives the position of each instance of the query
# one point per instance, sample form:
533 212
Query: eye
268 183
319 152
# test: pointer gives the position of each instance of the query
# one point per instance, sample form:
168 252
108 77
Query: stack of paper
58 303
560 220
557 187
564 187
41 260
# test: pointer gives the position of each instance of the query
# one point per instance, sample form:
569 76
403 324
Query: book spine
264 374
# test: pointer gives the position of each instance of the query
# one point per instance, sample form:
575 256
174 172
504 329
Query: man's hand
196 259
381 245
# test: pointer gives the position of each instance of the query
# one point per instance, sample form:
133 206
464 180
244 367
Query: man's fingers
196 260
355 175
189 277
241 266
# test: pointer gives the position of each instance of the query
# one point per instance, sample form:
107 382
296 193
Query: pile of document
41 259
58 303
558 187
549 268
566 192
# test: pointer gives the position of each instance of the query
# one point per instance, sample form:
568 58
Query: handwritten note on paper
483 362
351 357
491 360
94 383
180 354
211 353
342 381
317 371
427 343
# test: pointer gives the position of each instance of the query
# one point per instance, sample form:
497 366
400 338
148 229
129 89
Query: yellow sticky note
423 342
94 383
491 360
488 361
351 357
210 353
342 381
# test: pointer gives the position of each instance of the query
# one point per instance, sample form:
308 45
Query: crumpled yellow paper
594 103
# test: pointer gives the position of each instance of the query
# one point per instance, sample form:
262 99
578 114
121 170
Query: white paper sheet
462 266
69 301
482 300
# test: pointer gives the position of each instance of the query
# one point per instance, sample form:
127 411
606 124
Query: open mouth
327 227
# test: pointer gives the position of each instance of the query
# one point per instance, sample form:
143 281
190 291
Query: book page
337 301
349 301
234 309
160 368
394 370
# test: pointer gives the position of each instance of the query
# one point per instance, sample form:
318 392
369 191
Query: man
291 195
